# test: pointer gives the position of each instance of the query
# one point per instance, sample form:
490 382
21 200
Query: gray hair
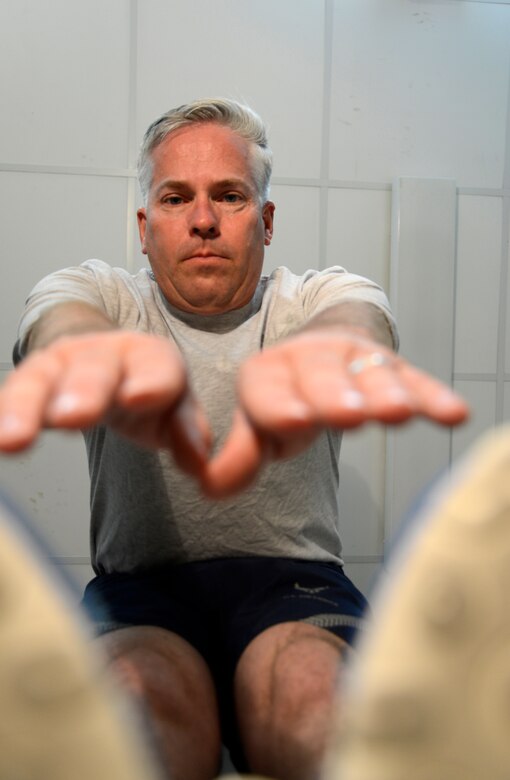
239 118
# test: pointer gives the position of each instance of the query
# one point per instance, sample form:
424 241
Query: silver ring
374 360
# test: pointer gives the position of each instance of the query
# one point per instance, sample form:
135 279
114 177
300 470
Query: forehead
203 151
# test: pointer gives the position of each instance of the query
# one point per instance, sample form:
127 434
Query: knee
149 675
305 672
296 666
165 673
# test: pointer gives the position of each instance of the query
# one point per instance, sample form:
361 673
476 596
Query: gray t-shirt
144 511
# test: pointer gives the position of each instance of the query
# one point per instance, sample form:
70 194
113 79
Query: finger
23 400
320 380
189 436
126 369
88 382
237 464
284 393
387 397
154 374
434 399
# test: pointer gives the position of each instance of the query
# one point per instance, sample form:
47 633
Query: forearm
67 319
357 317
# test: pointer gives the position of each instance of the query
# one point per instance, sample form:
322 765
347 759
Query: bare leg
173 682
286 696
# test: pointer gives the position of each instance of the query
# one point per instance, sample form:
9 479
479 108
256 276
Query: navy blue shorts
219 606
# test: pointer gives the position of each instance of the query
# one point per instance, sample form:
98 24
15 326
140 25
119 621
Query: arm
66 319
338 371
355 317
81 370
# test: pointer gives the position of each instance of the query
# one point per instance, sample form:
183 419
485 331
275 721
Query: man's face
204 228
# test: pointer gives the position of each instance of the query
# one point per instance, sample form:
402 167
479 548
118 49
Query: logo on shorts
302 588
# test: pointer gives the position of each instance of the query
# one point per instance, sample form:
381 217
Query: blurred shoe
428 695
62 718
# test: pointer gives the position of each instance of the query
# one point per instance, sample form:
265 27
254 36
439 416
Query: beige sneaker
63 718
428 697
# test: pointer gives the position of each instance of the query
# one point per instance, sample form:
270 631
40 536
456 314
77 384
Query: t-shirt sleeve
317 291
93 282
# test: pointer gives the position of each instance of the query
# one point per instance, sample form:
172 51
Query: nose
204 220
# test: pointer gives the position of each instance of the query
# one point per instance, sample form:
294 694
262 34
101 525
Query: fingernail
12 424
448 397
352 400
395 395
65 403
297 410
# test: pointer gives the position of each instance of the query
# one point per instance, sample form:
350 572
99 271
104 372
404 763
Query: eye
173 200
232 197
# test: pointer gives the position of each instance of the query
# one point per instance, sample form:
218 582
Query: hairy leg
175 687
286 688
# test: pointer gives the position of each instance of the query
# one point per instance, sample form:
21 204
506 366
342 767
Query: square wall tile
477 284
419 89
359 223
53 222
506 239
362 474
267 54
64 69
79 574
295 241
506 404
481 397
364 575
50 483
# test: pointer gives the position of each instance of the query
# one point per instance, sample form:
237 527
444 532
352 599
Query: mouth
205 257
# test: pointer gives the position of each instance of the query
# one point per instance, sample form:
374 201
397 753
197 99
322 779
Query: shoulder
313 286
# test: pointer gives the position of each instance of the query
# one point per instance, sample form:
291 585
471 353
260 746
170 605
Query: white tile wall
79 575
50 484
478 284
506 240
64 76
364 575
295 241
268 54
481 397
419 89
358 232
362 492
506 410
54 221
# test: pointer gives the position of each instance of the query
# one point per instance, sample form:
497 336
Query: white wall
358 94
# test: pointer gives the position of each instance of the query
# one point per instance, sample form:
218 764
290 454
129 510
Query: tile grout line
326 117
503 281
130 173
132 146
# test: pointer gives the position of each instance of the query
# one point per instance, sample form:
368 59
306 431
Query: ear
268 217
141 216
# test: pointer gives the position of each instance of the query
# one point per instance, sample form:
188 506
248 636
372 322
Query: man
197 381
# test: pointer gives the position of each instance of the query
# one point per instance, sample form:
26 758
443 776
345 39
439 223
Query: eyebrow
175 184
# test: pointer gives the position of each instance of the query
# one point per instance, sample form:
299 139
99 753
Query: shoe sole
428 696
63 717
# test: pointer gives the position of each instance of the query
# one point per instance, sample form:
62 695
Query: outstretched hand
287 395
315 380
135 383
